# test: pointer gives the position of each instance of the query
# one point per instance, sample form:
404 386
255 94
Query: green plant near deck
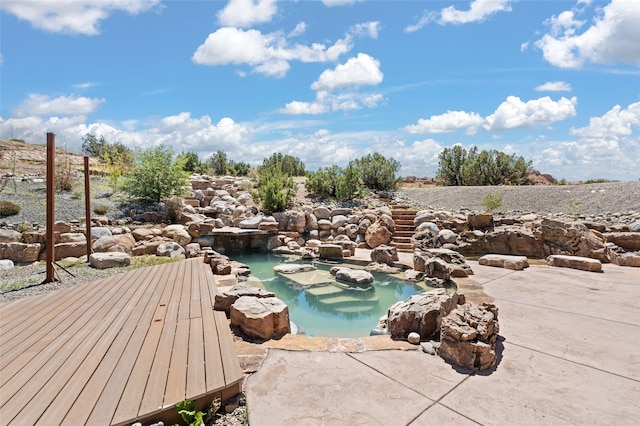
187 410
492 202
7 208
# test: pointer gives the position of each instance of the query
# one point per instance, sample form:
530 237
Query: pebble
413 338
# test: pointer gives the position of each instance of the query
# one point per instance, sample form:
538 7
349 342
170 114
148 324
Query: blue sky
557 82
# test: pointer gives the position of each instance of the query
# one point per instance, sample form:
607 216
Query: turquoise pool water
328 309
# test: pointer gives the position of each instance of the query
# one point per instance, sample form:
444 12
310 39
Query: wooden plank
57 410
113 361
196 384
214 375
107 403
176 380
230 363
37 374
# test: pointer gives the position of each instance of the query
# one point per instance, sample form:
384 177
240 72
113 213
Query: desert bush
377 172
288 165
492 202
156 175
334 182
275 189
100 209
7 208
191 163
174 208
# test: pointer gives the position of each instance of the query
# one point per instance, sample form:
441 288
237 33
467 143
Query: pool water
327 308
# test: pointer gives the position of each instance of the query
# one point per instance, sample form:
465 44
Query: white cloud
62 105
327 102
246 13
614 124
516 114
554 86
300 29
73 17
86 85
447 122
358 71
479 11
612 37
271 53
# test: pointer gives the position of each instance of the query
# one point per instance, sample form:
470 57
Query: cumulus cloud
554 86
516 114
447 122
334 3
358 71
246 13
62 105
73 17
327 102
479 11
612 36
270 54
615 123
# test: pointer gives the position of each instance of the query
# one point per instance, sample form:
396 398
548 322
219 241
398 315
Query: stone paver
568 355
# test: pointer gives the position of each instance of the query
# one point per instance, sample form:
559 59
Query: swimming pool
327 308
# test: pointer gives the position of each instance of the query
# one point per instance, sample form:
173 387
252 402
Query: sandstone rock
20 252
140 234
382 268
384 254
147 246
420 313
293 268
61 227
109 260
620 257
177 233
413 275
432 266
322 213
324 224
250 223
10 236
447 236
171 249
6 264
377 234
262 318
72 249
413 338
352 276
224 301
511 240
480 220
575 262
338 221
343 211
635 226
330 251
468 336
34 237
626 240
100 231
72 237
192 250
423 216
122 243
516 263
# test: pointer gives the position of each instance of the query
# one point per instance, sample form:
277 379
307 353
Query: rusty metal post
51 186
87 205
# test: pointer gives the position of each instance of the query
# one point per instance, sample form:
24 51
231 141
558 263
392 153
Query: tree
275 188
291 166
191 162
450 166
377 172
238 168
156 175
335 182
218 163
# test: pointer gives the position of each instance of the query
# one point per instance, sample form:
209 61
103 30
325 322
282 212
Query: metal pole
51 186
87 205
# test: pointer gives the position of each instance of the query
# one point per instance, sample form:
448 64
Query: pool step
325 291
355 309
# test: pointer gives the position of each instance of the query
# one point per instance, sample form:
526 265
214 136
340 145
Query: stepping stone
575 262
516 263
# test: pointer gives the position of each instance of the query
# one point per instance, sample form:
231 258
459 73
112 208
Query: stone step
404 233
325 291
355 309
348 299
403 222
400 239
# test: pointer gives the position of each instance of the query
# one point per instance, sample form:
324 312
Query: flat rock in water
293 268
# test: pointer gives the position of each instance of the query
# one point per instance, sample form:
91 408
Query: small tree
275 189
492 202
287 164
191 162
377 172
218 163
156 175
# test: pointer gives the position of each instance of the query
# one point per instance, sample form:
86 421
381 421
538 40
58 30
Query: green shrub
100 209
77 194
174 208
7 208
492 202
377 172
288 165
275 189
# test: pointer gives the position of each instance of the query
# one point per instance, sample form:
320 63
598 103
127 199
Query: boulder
171 249
322 213
250 223
177 233
224 301
517 263
147 246
61 227
352 276
480 220
447 236
422 217
468 336
261 318
509 239
377 235
293 268
324 224
626 240
433 267
338 220
20 252
330 251
6 264
10 236
619 256
421 313
123 243
100 231
72 237
575 262
384 254
141 234
109 260
72 249
382 268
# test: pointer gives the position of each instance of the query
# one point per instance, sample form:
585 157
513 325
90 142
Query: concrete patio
569 354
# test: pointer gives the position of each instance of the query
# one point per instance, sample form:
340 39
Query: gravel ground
602 199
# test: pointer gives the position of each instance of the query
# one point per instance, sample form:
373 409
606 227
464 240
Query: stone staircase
403 217
338 299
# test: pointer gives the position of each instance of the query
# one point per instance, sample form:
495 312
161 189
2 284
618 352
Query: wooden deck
115 351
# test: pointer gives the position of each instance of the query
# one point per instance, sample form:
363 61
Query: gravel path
602 199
